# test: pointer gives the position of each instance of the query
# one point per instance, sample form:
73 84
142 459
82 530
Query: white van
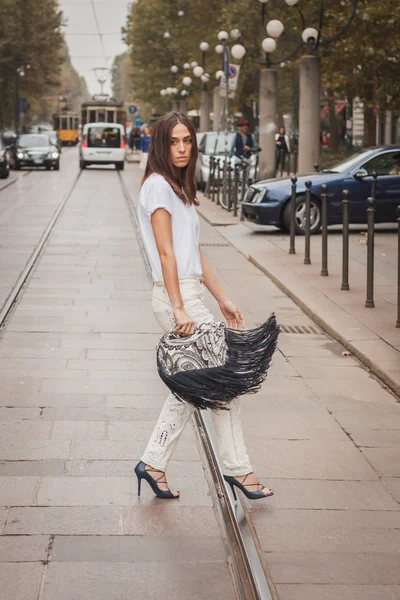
102 144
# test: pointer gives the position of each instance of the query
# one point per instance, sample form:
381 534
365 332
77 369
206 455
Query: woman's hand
233 316
185 325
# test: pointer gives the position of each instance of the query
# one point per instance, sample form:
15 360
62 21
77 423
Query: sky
85 20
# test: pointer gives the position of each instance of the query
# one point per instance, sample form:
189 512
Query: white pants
175 414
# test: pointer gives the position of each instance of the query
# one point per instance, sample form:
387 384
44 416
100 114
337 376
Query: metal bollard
295 162
398 267
307 259
218 182
292 249
369 303
245 175
345 252
210 178
229 168
235 189
324 238
213 179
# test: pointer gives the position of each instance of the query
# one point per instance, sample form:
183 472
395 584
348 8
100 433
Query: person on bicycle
244 143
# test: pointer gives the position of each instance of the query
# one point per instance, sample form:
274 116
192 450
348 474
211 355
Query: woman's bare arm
161 223
232 315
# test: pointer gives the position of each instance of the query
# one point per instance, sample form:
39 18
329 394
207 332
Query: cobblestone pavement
368 333
79 396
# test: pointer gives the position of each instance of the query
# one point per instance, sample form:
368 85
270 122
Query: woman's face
180 145
281 131
146 131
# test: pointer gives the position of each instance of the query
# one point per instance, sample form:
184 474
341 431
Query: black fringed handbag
216 364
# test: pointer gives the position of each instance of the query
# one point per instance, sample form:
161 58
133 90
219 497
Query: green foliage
152 55
121 77
364 61
30 34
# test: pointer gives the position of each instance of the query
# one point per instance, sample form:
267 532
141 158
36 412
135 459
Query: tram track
12 300
249 576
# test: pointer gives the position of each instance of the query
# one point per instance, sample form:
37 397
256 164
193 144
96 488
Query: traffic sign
133 109
233 76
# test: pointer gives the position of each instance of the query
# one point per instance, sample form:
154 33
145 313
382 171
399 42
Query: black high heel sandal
143 473
242 486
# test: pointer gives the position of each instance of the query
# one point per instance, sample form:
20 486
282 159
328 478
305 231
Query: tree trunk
333 125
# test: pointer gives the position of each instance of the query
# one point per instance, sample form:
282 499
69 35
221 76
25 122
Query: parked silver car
217 144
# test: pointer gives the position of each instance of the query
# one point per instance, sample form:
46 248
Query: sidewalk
370 334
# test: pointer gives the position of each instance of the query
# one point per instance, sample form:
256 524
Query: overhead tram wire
98 31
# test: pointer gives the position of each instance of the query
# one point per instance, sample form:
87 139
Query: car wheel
120 166
17 166
315 224
82 164
57 166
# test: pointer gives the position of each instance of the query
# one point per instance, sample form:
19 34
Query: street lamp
310 82
238 51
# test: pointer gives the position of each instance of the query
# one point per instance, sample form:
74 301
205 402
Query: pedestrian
144 147
282 145
135 136
169 227
244 143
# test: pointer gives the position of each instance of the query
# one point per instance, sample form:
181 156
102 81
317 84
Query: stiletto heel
143 473
233 491
233 482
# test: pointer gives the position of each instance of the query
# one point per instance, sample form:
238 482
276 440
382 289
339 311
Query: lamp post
19 72
183 104
217 106
199 71
238 51
310 80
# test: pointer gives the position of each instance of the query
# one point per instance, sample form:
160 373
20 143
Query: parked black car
268 202
4 164
34 150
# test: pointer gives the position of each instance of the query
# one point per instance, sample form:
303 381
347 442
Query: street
80 395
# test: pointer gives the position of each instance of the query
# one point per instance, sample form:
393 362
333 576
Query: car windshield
351 162
215 143
104 137
28 141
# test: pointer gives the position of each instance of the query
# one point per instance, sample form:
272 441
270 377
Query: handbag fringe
249 357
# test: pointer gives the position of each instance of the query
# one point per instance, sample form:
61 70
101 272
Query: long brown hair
159 157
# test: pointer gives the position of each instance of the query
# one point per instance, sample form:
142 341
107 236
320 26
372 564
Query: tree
121 77
35 41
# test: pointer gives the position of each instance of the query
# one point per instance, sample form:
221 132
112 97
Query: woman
144 147
169 227
282 145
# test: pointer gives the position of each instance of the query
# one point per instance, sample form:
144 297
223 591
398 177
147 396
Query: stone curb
333 332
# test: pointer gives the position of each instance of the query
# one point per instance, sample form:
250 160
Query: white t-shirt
157 193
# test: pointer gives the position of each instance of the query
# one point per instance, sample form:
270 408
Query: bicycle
235 185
